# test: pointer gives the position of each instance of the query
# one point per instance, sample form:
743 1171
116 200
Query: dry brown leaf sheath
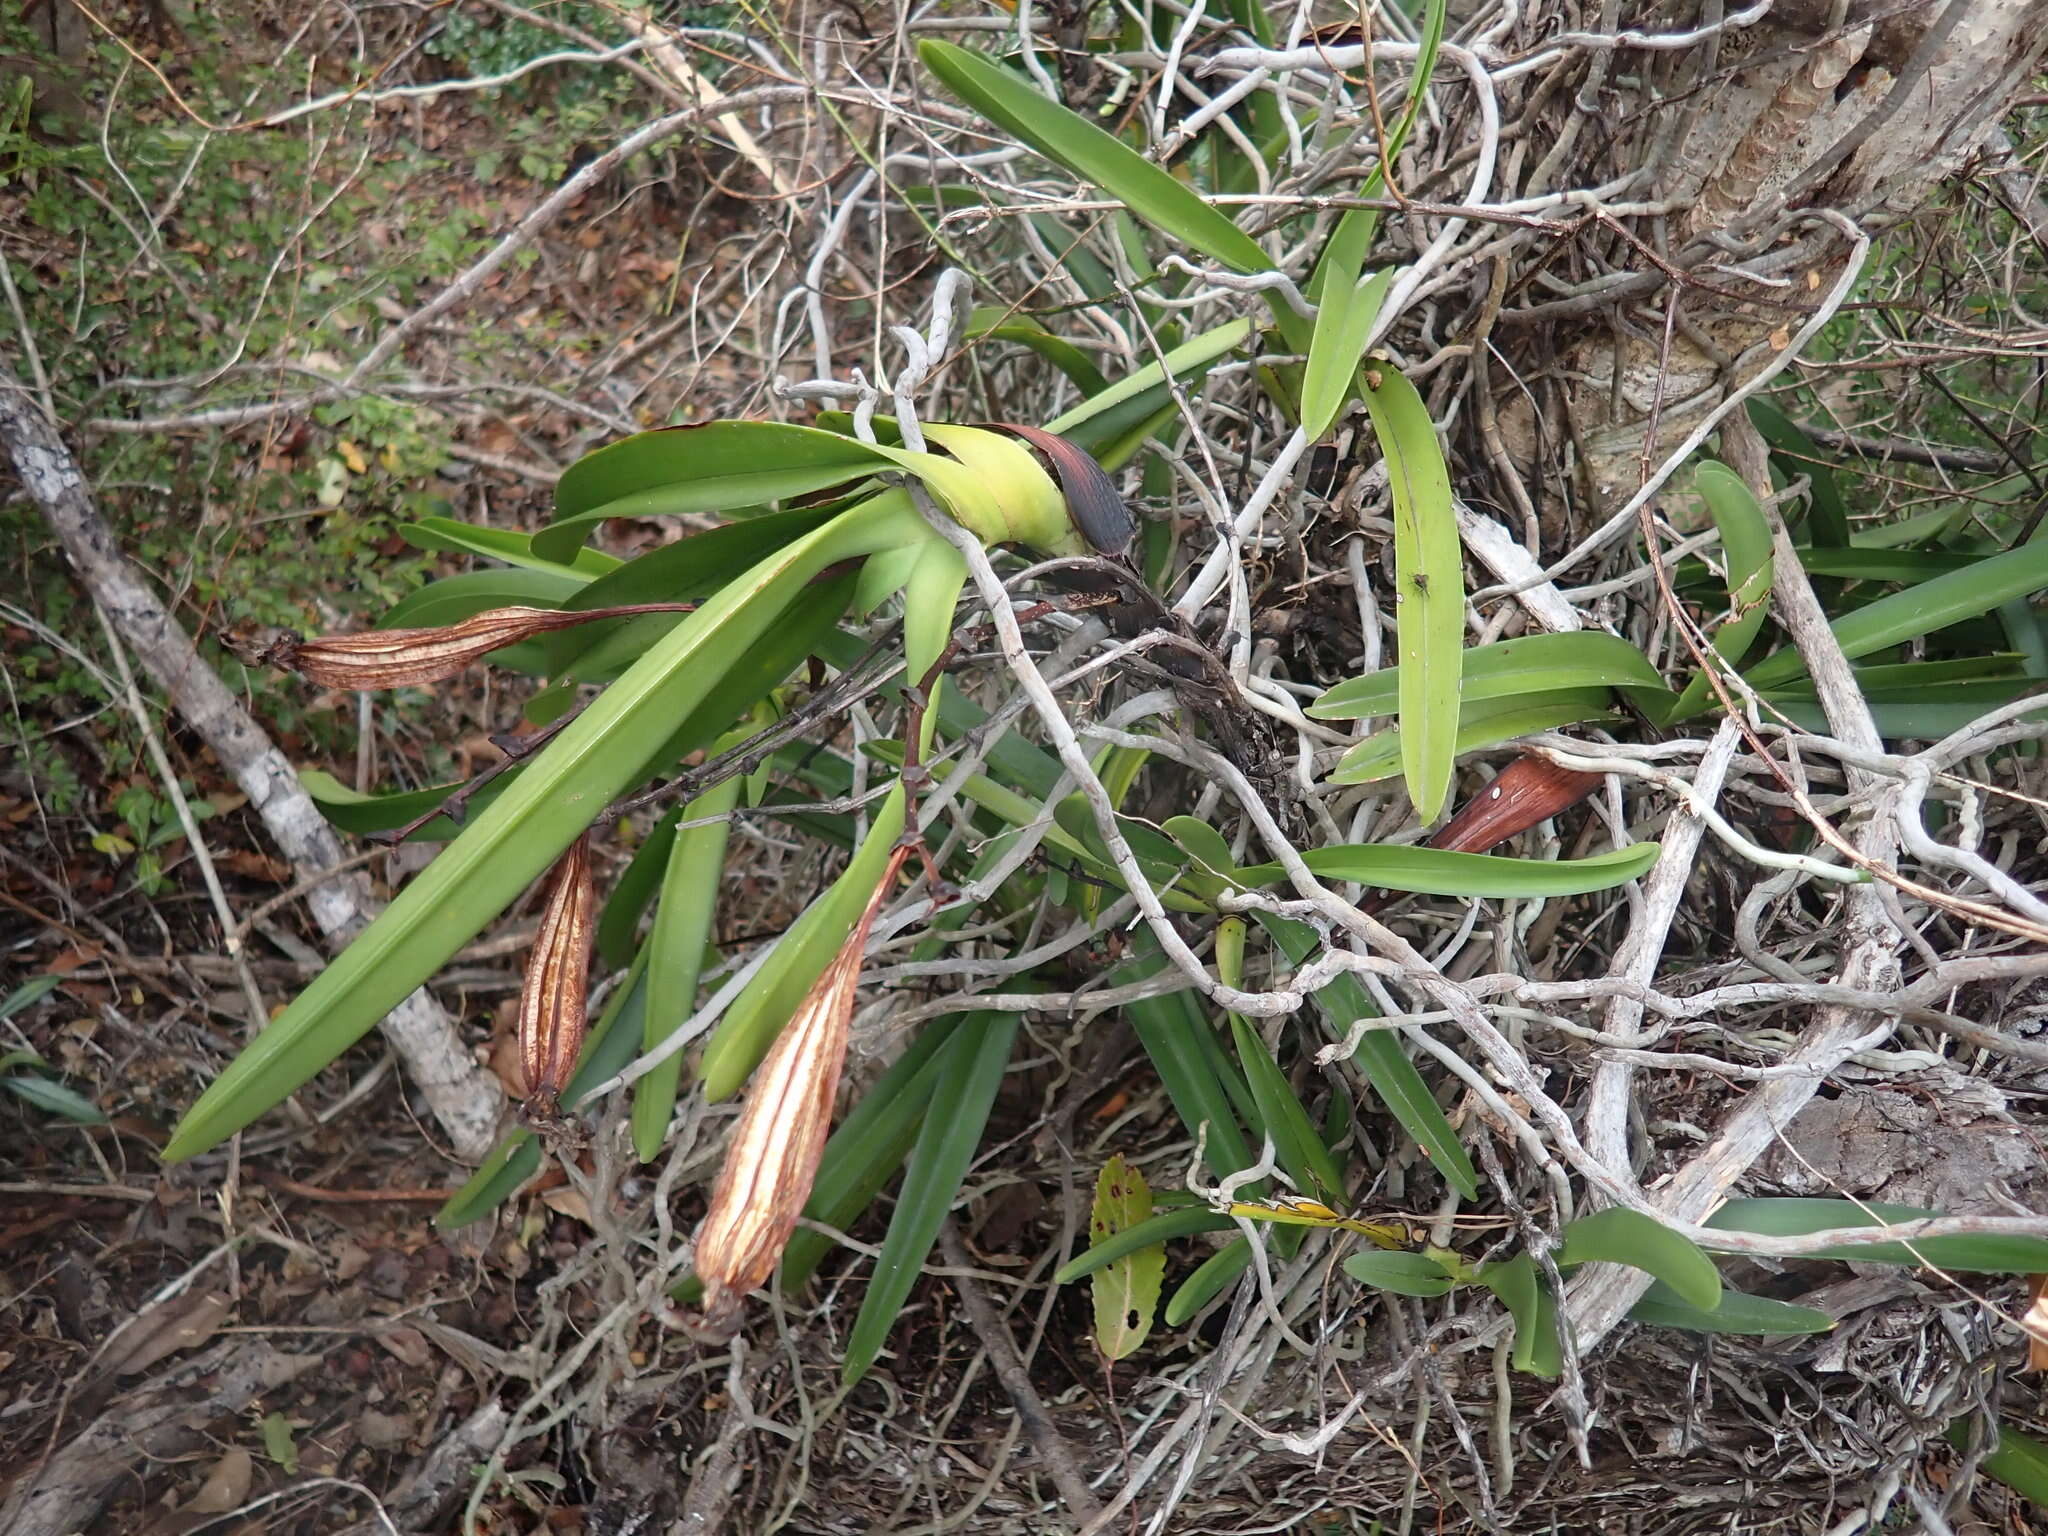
553 1013
780 1135
407 658
1528 790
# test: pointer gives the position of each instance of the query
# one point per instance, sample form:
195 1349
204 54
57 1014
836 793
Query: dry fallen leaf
408 1346
180 1322
2034 1322
568 1201
226 1486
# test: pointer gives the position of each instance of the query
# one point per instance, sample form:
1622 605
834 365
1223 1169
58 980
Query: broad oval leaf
1520 1287
1126 1293
1621 1236
1405 1274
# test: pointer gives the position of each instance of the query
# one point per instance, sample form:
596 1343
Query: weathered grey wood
464 1099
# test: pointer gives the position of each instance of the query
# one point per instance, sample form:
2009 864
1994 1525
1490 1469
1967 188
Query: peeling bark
1783 120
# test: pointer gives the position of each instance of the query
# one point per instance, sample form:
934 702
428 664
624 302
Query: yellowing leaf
1299 1211
352 456
1127 1290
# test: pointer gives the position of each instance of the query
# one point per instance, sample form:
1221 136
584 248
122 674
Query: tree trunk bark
1779 145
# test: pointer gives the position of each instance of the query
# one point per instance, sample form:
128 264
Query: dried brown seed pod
780 1135
553 1004
407 658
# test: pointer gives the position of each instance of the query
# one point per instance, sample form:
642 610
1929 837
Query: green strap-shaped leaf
1347 307
1429 577
1126 1293
1520 1287
1917 713
1921 610
34 990
2019 1461
758 1014
1796 453
1344 315
454 598
1139 397
52 1097
1380 1057
1621 1236
1171 1029
1507 669
1170 207
712 467
1858 564
618 920
682 931
1736 1312
870 1144
1990 1255
600 754
1442 872
974 1061
1057 350
1210 1278
447 533
1295 1143
1182 1221
1746 546
1486 723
